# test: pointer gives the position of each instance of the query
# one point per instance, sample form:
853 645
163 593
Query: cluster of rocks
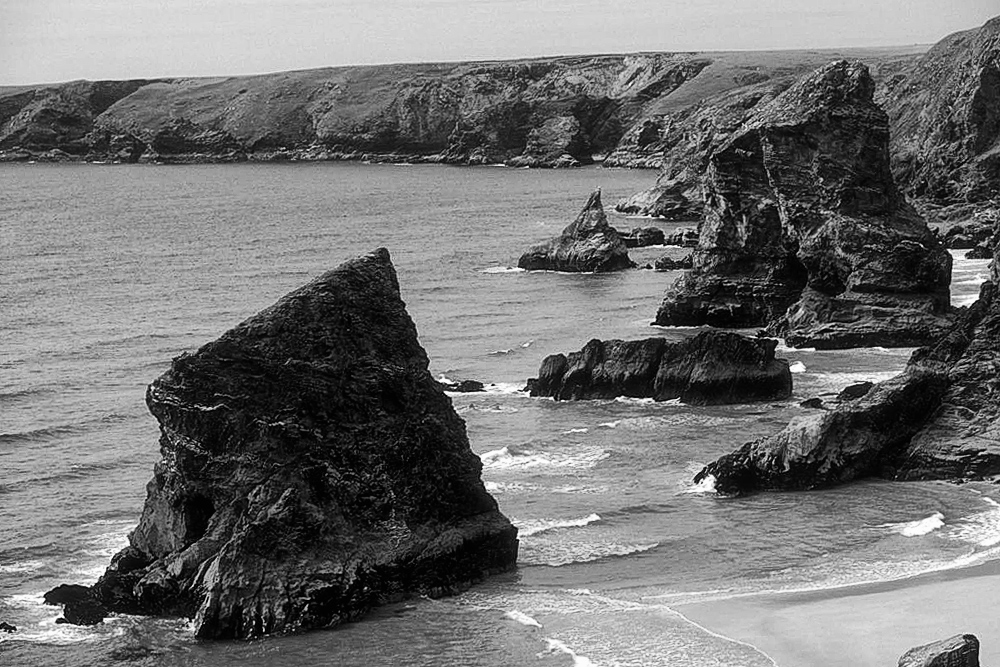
714 367
312 469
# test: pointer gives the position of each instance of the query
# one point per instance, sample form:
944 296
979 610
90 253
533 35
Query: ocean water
107 272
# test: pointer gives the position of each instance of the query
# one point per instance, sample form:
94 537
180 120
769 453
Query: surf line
712 633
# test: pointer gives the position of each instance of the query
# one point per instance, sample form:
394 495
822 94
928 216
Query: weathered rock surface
588 244
668 263
642 237
957 651
939 419
685 237
463 386
802 216
711 368
311 469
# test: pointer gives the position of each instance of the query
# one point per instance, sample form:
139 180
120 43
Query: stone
713 367
311 469
686 237
668 263
588 244
982 251
957 651
641 237
7 627
813 404
463 386
805 231
853 391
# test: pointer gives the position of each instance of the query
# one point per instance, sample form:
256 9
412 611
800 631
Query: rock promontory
311 469
714 367
588 244
805 230
939 419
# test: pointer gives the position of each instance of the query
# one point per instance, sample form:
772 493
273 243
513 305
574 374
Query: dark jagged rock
939 419
946 118
589 243
81 605
7 627
641 237
802 216
463 386
981 251
668 263
712 368
853 391
311 469
813 403
957 651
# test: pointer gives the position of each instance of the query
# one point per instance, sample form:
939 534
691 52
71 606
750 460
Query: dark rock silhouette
711 368
802 216
7 627
588 244
463 386
686 237
853 391
939 419
668 263
312 469
641 237
957 651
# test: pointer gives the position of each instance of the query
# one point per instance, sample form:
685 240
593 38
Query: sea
107 272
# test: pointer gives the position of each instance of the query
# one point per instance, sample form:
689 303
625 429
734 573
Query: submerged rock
957 651
713 367
805 230
589 243
463 386
311 469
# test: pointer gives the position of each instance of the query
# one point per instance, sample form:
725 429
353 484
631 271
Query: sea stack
805 230
589 244
939 419
714 367
311 469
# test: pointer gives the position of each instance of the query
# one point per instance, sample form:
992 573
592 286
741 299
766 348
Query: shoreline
861 625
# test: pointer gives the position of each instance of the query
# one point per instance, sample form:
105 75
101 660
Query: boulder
983 250
668 263
641 237
957 651
588 244
463 386
7 627
939 419
713 367
686 237
805 231
311 469
853 391
813 403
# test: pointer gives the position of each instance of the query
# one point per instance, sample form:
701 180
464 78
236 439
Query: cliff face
802 215
544 112
311 469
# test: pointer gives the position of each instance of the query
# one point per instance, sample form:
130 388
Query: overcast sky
58 40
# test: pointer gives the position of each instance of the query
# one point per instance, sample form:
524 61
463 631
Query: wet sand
862 626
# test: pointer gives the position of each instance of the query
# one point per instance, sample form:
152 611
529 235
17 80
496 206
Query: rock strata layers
939 419
713 367
311 469
588 244
957 651
805 230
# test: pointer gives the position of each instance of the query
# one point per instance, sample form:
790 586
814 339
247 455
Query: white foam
982 528
528 343
797 367
634 401
506 459
782 347
504 388
575 430
556 646
500 353
444 379
23 566
522 618
705 486
503 269
613 424
536 526
918 527
557 553
508 487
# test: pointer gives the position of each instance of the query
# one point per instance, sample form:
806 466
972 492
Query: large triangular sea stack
805 229
311 470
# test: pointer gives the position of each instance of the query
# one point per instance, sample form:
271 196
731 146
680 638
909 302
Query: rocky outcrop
945 115
668 263
957 651
712 368
311 469
802 216
642 237
588 244
685 237
939 419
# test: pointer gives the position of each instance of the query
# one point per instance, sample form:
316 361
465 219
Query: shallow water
109 272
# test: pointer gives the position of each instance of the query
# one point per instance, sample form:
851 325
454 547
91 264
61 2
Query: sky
43 41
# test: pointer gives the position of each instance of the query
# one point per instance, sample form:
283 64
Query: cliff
802 215
311 469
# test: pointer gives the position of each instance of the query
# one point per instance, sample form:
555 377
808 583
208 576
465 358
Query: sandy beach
862 626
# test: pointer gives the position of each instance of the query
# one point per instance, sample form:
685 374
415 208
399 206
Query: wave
704 487
556 646
39 434
918 527
636 401
22 393
503 269
981 529
515 458
797 367
538 526
564 552
500 353
522 618
528 343
575 430
509 487
21 567
613 424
